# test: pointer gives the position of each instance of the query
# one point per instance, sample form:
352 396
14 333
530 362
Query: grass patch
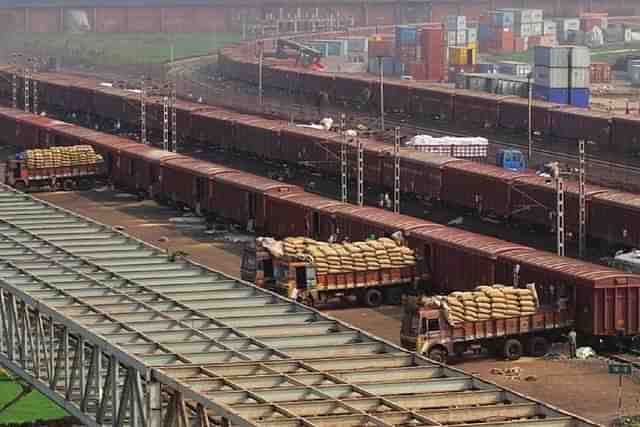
119 48
31 407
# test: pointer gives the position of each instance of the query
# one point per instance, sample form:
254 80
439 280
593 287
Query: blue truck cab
511 159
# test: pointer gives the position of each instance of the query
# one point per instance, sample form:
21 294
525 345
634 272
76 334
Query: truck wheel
393 296
438 354
20 186
537 346
372 298
67 185
512 349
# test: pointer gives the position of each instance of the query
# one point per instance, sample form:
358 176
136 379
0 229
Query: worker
572 344
381 201
332 238
387 201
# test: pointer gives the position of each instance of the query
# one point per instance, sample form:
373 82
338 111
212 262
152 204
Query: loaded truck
313 272
65 168
430 328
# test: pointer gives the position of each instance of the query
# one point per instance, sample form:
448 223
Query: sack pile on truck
76 155
347 257
490 302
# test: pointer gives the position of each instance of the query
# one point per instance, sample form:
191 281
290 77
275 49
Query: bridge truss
118 334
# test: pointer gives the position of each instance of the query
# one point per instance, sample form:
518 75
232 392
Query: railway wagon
306 214
514 115
614 218
478 186
607 300
430 102
245 198
571 124
479 109
626 134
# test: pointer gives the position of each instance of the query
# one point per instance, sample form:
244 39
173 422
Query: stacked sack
357 256
490 302
75 155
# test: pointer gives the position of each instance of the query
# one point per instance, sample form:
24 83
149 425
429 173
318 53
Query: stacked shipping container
562 74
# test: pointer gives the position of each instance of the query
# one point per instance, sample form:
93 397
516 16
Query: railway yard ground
581 386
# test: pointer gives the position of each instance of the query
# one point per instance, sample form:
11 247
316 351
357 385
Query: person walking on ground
572 344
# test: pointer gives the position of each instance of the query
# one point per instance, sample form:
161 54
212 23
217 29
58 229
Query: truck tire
438 354
512 349
537 346
67 185
20 186
372 297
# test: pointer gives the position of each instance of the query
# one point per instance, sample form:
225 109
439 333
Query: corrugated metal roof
485 170
246 353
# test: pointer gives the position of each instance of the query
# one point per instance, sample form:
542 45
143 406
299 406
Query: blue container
503 18
387 66
406 35
487 68
559 96
484 32
579 97
399 68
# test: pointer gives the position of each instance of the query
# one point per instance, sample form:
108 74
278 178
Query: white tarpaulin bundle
454 146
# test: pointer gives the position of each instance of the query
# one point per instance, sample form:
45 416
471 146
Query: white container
562 78
567 24
461 38
520 69
472 35
563 56
549 27
456 23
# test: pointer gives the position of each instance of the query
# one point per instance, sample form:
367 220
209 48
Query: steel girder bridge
119 334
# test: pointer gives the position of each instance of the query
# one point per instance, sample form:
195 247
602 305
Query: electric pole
174 118
165 123
559 208
14 89
360 173
396 171
381 62
530 120
343 160
27 101
260 63
143 113
582 233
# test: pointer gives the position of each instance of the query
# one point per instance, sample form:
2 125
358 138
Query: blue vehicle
511 159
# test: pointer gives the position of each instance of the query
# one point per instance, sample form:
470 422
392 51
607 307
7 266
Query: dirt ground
582 387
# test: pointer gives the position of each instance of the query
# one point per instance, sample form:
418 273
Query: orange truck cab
426 330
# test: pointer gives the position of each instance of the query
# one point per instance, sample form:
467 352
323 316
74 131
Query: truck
301 278
66 168
428 330
511 159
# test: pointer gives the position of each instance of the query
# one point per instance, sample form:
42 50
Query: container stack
432 43
77 155
565 26
378 254
456 27
634 72
500 32
588 21
513 68
562 75
600 72
380 48
490 302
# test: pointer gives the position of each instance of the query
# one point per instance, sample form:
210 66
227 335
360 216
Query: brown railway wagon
479 186
626 134
303 213
35 131
353 88
360 224
615 216
433 102
579 123
457 259
318 149
607 299
420 173
241 197
378 157
213 127
188 182
477 108
534 199
255 135
514 115
140 167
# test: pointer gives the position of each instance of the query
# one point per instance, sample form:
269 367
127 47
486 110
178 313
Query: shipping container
549 27
456 23
406 35
600 72
472 35
502 18
580 97
558 96
567 24
387 66
557 78
563 56
521 69
380 48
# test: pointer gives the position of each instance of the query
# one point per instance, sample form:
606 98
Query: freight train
609 300
551 122
613 216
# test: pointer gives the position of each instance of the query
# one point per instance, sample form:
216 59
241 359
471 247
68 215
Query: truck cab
424 330
511 159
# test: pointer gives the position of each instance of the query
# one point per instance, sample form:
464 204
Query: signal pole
381 62
582 236
14 90
27 101
559 208
396 171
